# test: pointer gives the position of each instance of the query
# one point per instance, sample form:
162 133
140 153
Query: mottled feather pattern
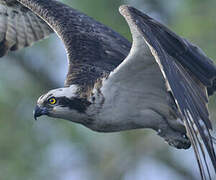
93 49
19 27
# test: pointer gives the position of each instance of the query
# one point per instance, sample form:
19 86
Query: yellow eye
52 100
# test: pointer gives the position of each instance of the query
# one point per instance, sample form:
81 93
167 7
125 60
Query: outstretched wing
19 27
92 48
187 72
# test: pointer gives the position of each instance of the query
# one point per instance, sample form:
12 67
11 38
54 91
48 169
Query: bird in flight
160 81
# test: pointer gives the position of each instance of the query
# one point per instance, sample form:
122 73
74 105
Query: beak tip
35 117
35 113
39 111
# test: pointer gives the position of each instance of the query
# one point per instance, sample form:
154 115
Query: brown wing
93 49
19 27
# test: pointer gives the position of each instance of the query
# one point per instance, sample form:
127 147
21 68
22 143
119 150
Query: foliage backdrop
60 150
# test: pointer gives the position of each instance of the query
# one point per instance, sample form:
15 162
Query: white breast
132 90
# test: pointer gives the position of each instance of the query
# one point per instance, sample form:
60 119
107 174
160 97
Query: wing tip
127 12
124 10
4 48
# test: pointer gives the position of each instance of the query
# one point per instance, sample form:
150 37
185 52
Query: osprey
161 82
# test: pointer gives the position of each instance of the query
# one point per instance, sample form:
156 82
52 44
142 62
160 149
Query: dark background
61 150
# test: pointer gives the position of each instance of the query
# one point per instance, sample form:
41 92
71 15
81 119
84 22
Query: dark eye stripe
78 104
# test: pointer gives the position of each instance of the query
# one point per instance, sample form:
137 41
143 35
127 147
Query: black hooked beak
39 111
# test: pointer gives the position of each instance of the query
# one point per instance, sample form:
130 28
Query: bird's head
64 103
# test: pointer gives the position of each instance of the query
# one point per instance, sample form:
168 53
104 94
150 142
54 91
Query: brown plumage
95 50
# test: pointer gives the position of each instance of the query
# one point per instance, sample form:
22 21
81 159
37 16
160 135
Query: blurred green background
60 150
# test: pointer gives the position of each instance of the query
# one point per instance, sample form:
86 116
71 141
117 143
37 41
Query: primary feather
164 78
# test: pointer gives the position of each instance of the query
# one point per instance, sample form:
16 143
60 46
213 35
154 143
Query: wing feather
19 27
178 60
93 49
186 70
3 24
